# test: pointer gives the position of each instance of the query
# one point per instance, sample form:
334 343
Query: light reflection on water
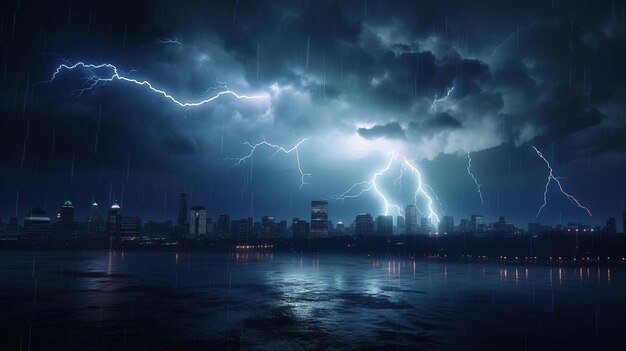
142 300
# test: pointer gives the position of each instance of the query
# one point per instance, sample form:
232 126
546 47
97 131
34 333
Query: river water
100 300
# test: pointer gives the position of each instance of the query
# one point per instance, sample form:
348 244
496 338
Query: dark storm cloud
391 130
442 121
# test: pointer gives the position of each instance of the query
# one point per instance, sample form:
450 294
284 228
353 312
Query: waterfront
204 301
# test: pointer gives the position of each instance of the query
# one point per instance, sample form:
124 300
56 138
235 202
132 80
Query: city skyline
348 106
198 223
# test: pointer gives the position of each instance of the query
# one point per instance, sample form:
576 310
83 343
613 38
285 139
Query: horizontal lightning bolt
303 175
469 171
360 188
170 41
94 79
551 177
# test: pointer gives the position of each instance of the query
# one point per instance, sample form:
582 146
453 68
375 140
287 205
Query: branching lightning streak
469 171
433 106
372 184
96 79
303 175
551 177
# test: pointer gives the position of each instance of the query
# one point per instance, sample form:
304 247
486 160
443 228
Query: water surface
205 301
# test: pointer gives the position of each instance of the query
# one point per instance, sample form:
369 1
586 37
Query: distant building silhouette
611 226
241 230
95 224
425 225
384 225
198 221
319 219
13 227
223 225
446 226
400 225
364 224
114 220
182 213
37 223
267 227
340 229
130 226
478 223
624 222
410 216
299 228
66 218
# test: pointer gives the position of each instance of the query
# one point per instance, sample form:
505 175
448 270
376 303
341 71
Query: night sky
427 80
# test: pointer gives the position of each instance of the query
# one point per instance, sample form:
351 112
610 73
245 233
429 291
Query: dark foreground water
206 301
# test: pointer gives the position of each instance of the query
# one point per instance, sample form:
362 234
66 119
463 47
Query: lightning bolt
360 188
551 177
303 175
433 105
469 171
96 78
171 41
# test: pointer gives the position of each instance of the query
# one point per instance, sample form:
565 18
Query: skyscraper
384 225
37 223
446 226
319 219
410 215
478 223
268 227
95 224
425 225
114 220
611 226
299 228
364 224
130 226
198 225
400 225
67 218
182 213
223 225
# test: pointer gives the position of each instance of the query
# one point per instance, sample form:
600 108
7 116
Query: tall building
299 228
95 224
130 226
223 225
478 223
364 224
182 213
446 226
384 225
281 229
611 226
13 227
67 223
37 223
198 221
114 220
242 230
340 229
268 227
400 225
624 222
425 225
410 216
319 219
